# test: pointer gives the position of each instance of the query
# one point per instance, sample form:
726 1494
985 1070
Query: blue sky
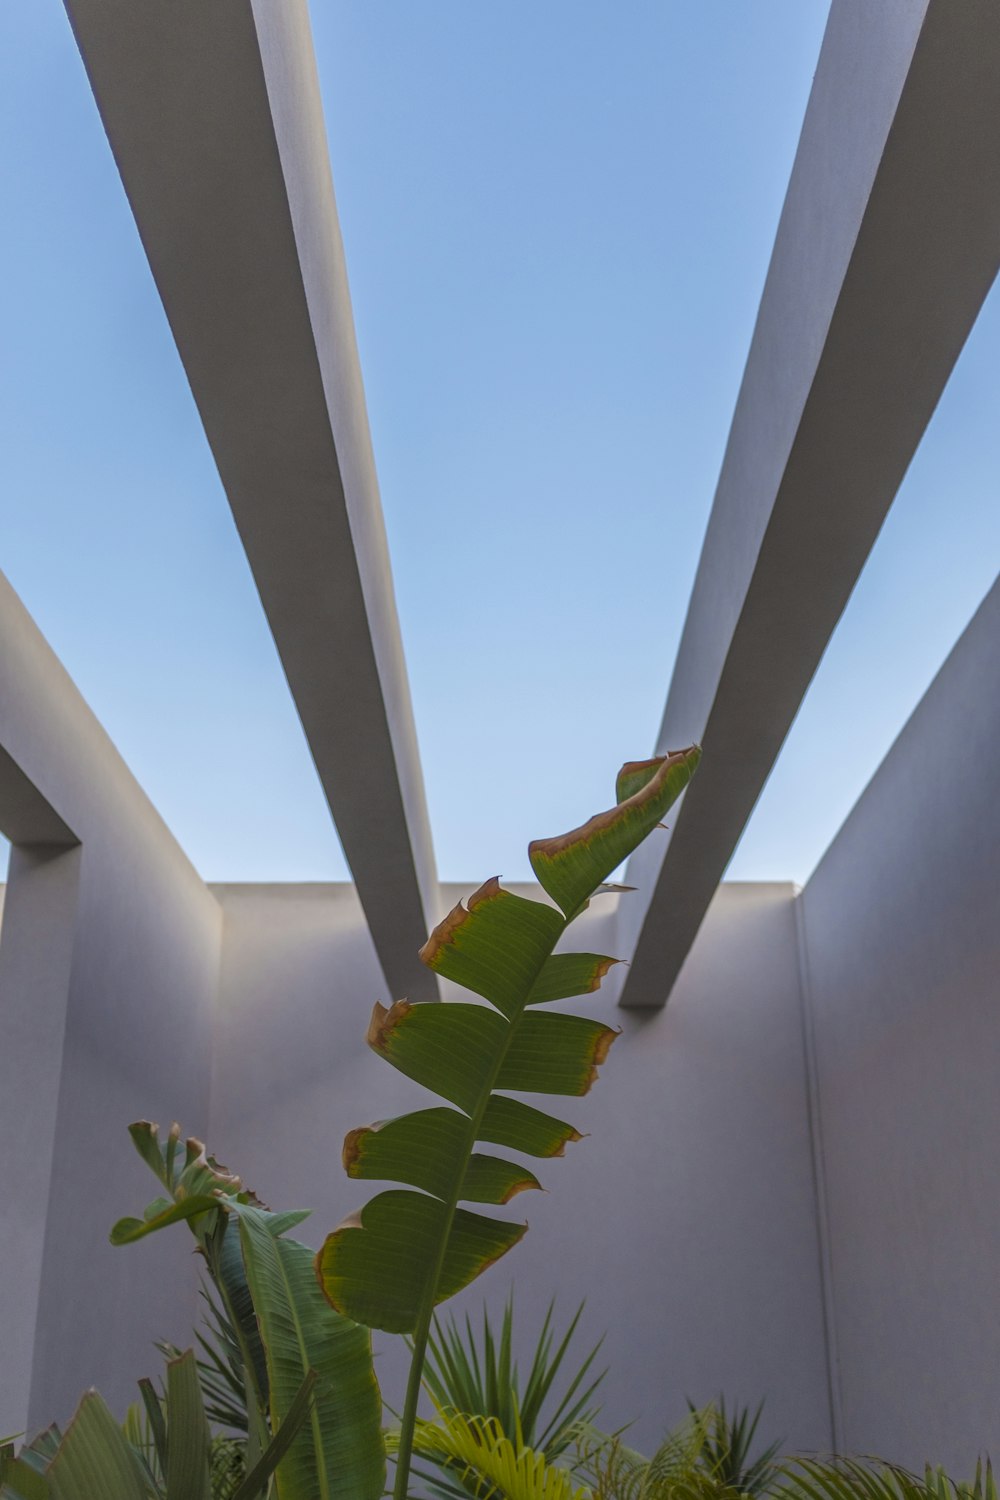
558 219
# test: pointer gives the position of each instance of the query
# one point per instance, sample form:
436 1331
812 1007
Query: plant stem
422 1331
406 1432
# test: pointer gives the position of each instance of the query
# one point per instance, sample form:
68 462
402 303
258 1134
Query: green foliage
478 1373
229 1469
289 1368
696 1461
873 1479
613 1471
220 1367
707 1457
493 1464
285 1366
163 1451
727 1445
406 1251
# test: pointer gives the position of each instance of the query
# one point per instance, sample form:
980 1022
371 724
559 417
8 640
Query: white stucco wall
108 972
903 925
687 1216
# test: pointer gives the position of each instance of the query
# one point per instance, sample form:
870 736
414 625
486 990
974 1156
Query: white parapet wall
902 920
686 1218
108 974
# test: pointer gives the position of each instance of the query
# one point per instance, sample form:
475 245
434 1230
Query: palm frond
227 1460
874 1479
676 1471
474 1369
220 1366
138 1430
680 1456
493 1465
728 1442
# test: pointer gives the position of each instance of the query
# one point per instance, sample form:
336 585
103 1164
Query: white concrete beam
888 243
26 817
213 113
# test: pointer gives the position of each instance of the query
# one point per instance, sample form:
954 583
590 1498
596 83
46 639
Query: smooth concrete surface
887 246
686 1218
109 964
902 920
36 954
214 116
25 815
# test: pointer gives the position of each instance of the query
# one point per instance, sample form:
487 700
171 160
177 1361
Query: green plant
284 1337
676 1471
466 1372
493 1465
874 1479
706 1458
496 1466
725 1451
220 1367
163 1451
389 1266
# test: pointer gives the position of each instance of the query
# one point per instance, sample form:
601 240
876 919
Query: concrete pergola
795 1135
888 244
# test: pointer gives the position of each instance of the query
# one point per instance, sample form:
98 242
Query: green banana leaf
163 1451
20 1480
22 1477
95 1459
302 1333
201 1193
287 1333
186 1464
407 1251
